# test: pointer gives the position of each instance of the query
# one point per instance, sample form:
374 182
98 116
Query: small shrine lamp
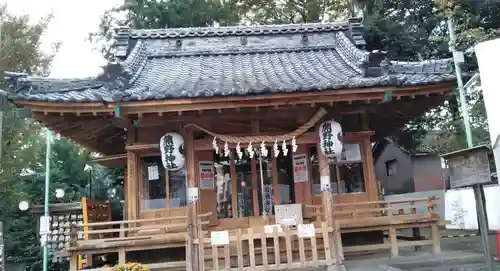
331 139
172 151
331 146
88 168
60 193
24 205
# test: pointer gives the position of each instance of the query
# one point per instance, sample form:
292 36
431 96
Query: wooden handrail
382 202
111 223
146 227
362 211
386 202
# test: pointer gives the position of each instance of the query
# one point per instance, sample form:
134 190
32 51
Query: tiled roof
230 61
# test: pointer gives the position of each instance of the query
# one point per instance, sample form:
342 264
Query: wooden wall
204 152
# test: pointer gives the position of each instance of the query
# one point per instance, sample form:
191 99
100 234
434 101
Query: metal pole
90 184
1 130
478 190
47 194
2 253
460 83
481 212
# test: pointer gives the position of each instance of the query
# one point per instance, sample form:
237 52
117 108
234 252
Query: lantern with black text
172 151
330 139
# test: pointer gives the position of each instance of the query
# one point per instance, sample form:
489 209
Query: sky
73 21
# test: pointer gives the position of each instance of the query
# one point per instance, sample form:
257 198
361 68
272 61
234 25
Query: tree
408 30
21 144
292 11
161 14
22 163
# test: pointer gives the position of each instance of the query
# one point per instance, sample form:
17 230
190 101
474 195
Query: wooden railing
372 209
118 234
390 215
287 249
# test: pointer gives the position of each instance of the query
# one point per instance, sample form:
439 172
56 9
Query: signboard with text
206 169
469 167
300 173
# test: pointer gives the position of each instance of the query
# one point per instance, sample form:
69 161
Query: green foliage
408 30
21 139
23 148
161 14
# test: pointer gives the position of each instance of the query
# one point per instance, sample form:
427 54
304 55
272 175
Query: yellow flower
130 267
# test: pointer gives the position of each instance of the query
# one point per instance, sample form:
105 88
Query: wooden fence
279 249
390 215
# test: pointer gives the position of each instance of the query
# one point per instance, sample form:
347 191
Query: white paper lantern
330 139
172 151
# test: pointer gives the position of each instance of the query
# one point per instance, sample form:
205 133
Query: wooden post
73 262
122 254
436 239
130 184
255 178
192 260
326 196
393 238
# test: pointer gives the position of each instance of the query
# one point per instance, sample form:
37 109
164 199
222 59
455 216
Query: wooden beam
112 161
255 179
252 103
192 205
234 102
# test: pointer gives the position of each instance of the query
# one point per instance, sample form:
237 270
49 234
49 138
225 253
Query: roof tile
206 62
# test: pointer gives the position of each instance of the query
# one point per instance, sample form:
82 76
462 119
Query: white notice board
460 208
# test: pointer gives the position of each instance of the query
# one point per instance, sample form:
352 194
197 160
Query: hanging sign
219 238
288 214
44 225
193 194
300 173
325 184
268 198
351 153
269 229
153 173
306 230
206 169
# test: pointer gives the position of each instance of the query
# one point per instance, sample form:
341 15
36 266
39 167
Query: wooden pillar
370 179
436 239
371 185
192 262
207 196
255 178
131 184
73 262
303 190
326 195
122 254
234 186
276 186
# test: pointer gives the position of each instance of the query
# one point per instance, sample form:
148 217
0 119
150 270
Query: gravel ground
466 244
472 267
